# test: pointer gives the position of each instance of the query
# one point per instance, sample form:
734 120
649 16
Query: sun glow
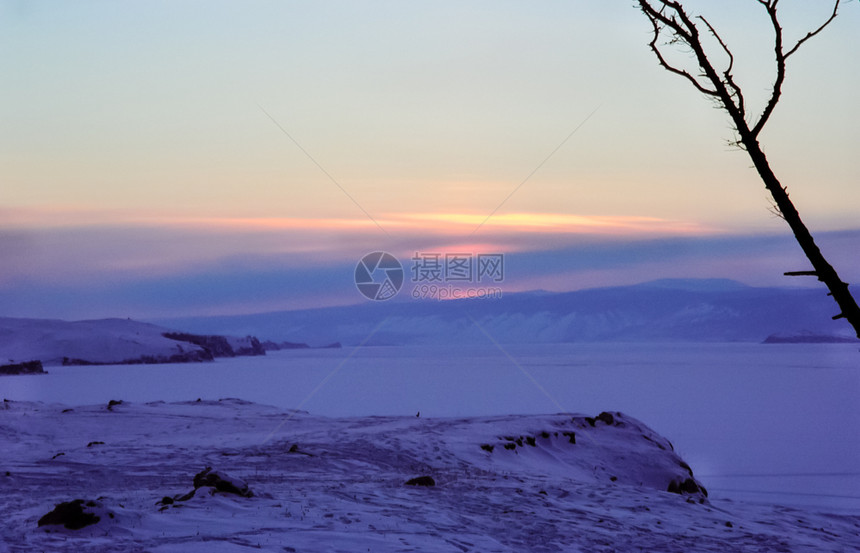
443 224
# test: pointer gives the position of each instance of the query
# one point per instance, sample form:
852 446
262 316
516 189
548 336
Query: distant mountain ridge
712 310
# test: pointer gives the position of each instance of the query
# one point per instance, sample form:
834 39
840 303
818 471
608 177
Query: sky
179 158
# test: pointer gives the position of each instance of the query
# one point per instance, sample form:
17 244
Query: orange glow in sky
441 224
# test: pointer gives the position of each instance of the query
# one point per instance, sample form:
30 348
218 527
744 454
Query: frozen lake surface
773 423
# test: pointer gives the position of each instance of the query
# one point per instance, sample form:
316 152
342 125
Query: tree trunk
823 270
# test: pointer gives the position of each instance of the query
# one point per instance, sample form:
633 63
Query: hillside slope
501 484
108 341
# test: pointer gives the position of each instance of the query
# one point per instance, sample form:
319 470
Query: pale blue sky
138 124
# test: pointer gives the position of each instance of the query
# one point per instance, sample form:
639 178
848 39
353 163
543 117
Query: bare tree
677 28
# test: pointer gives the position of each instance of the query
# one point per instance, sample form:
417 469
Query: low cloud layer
185 267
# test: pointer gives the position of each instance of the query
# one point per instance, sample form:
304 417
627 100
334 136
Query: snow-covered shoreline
54 342
337 484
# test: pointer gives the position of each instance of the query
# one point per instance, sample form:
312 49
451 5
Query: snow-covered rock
222 482
74 515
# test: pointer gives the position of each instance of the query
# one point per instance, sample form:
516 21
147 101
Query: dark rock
421 481
91 444
590 421
544 435
808 338
222 482
530 441
57 455
686 487
27 367
217 346
269 345
295 449
113 403
729 524
488 447
166 500
510 446
607 418
571 436
71 515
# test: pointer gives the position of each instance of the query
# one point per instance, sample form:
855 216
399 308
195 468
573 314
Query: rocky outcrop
687 486
269 345
220 346
249 345
27 367
222 482
421 481
807 338
214 482
217 346
641 457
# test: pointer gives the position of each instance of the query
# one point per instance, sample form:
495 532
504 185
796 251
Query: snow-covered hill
502 484
105 341
712 310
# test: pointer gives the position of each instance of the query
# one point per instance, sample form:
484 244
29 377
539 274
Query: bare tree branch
776 90
674 18
816 31
780 57
666 65
721 84
727 74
